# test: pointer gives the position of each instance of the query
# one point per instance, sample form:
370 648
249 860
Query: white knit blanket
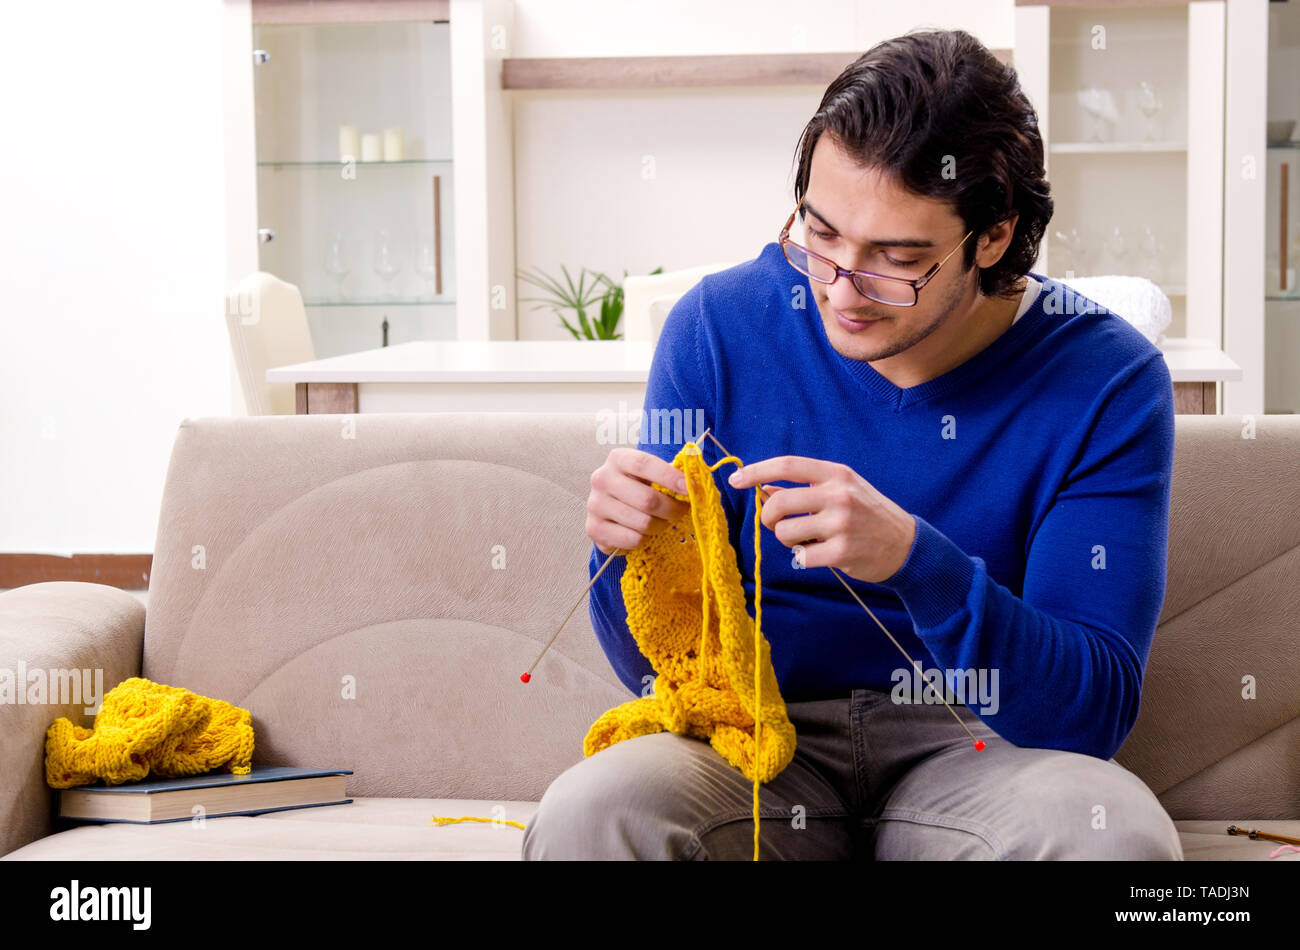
1136 299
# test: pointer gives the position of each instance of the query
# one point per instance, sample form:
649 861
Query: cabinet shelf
418 162
1118 148
419 302
650 72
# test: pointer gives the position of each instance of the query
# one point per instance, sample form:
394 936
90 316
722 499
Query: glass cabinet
354 178
1120 148
1282 214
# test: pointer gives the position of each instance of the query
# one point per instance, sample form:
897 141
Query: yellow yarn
686 611
674 585
449 821
146 727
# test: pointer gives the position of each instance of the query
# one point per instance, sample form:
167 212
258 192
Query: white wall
635 179
113 260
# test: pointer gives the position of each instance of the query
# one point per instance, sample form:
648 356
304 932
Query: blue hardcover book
211 795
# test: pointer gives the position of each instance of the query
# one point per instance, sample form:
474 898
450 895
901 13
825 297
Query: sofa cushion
398 829
388 829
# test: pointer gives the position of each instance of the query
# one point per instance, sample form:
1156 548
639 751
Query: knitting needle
1253 834
979 743
528 674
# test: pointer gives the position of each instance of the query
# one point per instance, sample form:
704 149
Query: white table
572 376
1197 367
497 375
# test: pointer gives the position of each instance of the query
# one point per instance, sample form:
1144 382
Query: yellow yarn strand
758 643
495 821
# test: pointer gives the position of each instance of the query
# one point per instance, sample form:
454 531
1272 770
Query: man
987 453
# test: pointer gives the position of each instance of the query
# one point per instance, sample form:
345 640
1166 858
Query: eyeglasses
895 291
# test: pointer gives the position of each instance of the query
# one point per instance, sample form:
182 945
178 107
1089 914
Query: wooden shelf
650 72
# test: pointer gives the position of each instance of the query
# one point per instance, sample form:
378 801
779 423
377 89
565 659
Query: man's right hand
623 508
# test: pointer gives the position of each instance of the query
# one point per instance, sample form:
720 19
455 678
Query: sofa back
1218 734
371 586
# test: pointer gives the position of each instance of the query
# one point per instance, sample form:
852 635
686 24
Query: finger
651 468
789 468
640 496
804 530
792 502
814 554
611 511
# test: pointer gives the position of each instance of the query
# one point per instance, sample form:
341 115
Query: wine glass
426 265
1075 257
1150 105
338 263
1098 104
1149 248
1063 247
1116 247
1085 253
385 263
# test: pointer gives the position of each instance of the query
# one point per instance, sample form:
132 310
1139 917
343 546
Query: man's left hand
846 523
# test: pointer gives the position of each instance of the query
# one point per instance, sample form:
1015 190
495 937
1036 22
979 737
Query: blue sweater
1038 472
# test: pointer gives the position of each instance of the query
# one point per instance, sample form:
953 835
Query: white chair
268 327
648 298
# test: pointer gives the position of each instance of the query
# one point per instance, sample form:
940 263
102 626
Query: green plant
578 297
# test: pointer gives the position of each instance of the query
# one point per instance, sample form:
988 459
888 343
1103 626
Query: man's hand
622 508
847 523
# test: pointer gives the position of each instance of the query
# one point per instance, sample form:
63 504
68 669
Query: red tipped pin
979 743
524 677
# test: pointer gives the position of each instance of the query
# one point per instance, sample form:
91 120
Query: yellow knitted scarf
145 727
686 611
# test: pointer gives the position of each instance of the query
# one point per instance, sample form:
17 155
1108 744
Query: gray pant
870 779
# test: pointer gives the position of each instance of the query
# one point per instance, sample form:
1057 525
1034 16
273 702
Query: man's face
867 213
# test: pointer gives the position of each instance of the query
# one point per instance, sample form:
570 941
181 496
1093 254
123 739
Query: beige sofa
296 551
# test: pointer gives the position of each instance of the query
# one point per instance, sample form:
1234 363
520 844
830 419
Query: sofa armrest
51 636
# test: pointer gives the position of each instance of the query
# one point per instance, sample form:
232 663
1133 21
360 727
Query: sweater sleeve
677 387
1070 653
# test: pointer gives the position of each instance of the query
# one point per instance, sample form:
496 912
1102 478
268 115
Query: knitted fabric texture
145 727
686 610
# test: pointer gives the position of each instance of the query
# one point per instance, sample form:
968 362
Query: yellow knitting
145 727
686 611
703 688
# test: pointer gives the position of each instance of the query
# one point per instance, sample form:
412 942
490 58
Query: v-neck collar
881 390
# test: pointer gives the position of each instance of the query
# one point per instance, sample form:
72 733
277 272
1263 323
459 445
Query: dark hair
936 100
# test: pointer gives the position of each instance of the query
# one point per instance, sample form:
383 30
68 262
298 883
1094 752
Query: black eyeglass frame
915 283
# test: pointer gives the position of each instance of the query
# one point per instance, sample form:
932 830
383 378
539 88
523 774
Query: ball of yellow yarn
145 727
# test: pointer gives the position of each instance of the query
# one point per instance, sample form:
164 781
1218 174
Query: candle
348 148
371 150
393 144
